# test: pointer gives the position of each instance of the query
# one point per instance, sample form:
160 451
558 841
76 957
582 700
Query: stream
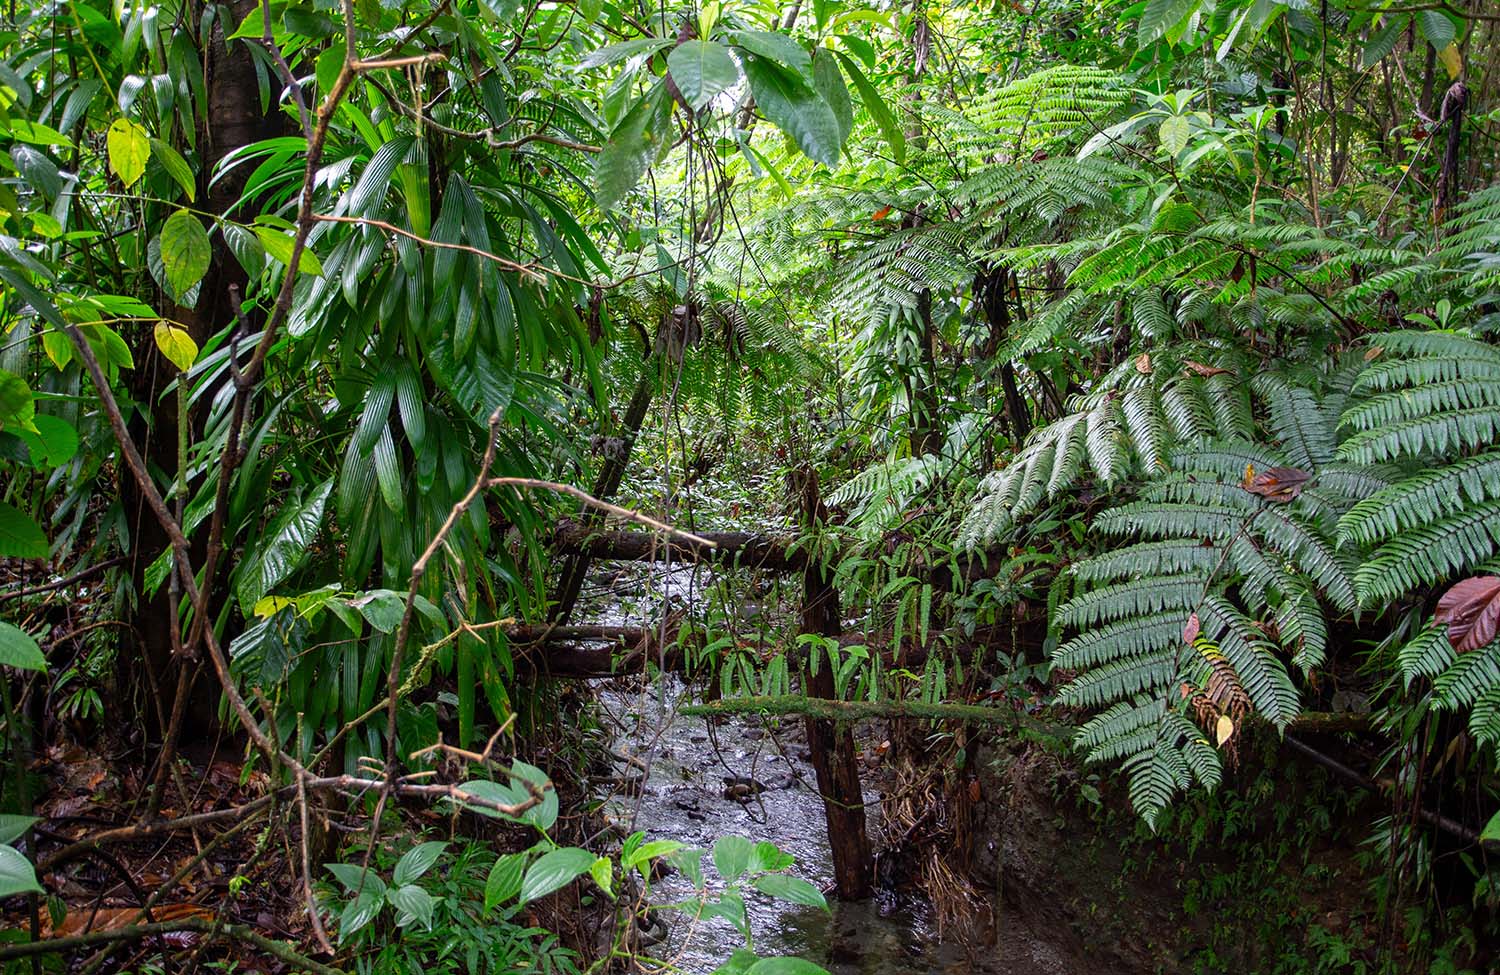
698 787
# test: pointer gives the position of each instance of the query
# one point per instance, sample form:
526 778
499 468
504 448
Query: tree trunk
231 118
834 758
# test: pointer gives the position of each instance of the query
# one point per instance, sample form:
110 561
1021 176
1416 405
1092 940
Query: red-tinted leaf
882 213
1191 630
1472 611
1280 484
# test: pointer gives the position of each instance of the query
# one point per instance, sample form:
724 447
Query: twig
504 262
277 949
64 583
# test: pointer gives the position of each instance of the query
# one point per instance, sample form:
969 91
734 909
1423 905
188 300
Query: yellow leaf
271 605
177 345
1224 729
129 146
1453 62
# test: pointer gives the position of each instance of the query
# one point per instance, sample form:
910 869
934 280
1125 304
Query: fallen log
832 710
746 549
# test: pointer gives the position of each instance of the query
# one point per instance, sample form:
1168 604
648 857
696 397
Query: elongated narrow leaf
282 548
877 108
829 82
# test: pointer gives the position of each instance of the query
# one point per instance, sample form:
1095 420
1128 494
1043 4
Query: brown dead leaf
1279 484
1143 363
1191 630
84 920
1472 611
1373 352
1201 369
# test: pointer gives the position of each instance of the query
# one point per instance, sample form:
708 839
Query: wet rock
742 788
845 950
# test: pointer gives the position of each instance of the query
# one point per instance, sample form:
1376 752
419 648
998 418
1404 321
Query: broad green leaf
246 248
176 344
504 881
177 167
785 965
19 650
829 82
185 251
1161 16
20 537
877 108
129 147
416 862
1491 829
360 911
17 404
555 870
632 146
12 825
738 962
1383 42
17 876
1174 132
279 245
544 814
702 70
354 877
414 903
51 440
603 872
1437 27
732 857
767 857
790 104
642 856
793 889
381 608
779 48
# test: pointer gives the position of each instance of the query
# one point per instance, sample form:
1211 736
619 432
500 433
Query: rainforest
750 487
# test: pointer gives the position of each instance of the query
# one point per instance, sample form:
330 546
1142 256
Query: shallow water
689 760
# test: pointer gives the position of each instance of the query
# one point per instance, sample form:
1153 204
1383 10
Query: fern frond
1422 499
1439 433
1128 637
1147 559
1138 597
1253 658
1427 655
1428 555
1123 678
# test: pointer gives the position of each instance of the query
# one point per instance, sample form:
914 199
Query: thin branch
504 262
138 932
78 576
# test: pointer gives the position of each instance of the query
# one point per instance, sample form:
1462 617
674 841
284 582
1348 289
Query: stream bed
695 780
